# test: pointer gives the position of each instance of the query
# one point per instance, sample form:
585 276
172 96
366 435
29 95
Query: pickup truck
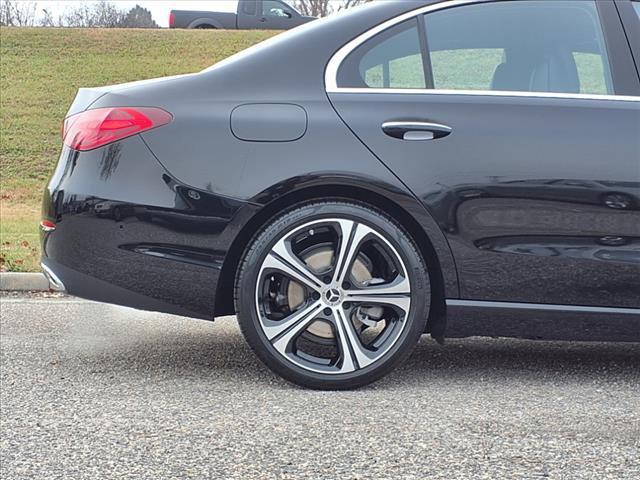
251 14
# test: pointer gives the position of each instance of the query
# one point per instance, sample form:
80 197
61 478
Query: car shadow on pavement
226 356
488 358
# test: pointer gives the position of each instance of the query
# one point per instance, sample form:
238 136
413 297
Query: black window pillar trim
426 55
631 23
623 69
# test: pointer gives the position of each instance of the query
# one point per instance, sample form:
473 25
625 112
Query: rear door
248 15
630 15
517 123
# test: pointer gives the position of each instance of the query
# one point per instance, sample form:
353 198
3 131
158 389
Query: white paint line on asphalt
60 301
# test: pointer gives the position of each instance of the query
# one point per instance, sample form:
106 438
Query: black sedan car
457 168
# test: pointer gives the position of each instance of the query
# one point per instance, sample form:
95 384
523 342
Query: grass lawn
41 71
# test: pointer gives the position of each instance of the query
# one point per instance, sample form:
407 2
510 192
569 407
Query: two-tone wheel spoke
283 335
352 235
293 323
347 362
353 352
281 260
395 294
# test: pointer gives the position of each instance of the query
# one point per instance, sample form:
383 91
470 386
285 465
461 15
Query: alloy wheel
338 315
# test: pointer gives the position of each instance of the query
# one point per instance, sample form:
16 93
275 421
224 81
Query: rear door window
273 8
249 7
524 45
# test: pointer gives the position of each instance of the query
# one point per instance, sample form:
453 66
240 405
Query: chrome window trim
487 93
331 72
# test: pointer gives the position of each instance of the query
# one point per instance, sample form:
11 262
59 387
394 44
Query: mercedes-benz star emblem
333 296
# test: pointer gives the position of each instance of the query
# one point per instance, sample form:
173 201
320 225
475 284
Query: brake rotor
319 260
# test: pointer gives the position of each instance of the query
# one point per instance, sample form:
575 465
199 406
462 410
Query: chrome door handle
416 131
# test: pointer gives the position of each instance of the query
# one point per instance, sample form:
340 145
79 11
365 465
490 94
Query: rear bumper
126 232
92 288
55 283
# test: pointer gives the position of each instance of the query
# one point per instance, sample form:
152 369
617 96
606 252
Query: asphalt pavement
99 392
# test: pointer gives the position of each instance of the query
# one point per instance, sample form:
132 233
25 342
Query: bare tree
17 13
102 14
46 20
314 8
80 16
322 8
5 14
107 15
352 3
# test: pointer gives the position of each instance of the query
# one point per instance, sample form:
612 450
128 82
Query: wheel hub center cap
332 296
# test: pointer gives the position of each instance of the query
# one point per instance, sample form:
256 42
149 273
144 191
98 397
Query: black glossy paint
122 219
533 200
269 122
529 322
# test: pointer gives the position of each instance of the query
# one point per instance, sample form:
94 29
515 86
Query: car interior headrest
556 72
511 76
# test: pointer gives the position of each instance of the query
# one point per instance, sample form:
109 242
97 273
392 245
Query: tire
357 274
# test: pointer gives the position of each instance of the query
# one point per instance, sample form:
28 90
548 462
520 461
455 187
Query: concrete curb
23 282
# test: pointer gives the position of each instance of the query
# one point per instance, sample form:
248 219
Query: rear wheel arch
205 23
355 194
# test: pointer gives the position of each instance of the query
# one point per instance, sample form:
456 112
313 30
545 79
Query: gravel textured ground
95 391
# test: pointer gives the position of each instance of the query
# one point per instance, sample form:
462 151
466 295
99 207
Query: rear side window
530 45
519 45
636 5
393 59
250 7
273 8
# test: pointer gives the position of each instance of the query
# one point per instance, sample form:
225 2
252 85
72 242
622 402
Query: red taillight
47 226
101 126
172 20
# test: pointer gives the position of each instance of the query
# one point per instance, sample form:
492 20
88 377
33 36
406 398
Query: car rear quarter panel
129 233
